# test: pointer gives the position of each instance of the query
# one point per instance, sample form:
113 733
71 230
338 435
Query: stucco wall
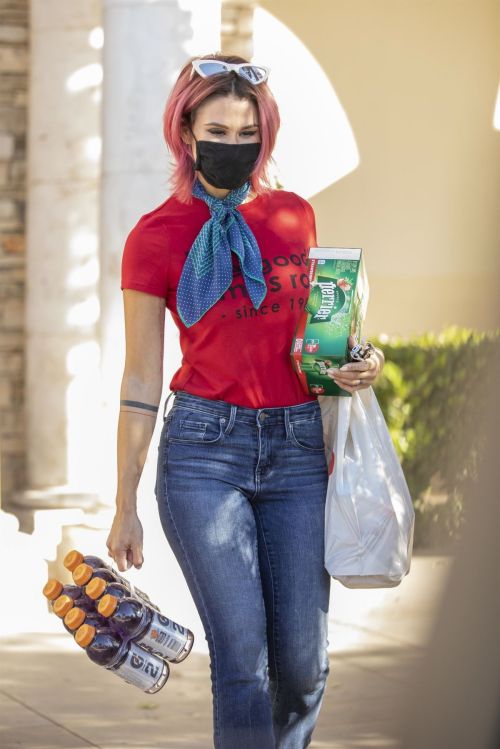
418 81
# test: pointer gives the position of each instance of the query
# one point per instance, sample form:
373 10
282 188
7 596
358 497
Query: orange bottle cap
72 559
95 588
82 574
107 604
52 589
75 617
84 635
62 605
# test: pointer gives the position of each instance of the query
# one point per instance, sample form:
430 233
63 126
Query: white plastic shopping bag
369 515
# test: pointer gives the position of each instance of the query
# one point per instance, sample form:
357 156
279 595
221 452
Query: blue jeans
241 496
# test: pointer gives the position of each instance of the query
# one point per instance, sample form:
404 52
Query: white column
146 43
62 306
145 46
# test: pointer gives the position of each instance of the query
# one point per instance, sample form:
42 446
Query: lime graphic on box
335 309
325 299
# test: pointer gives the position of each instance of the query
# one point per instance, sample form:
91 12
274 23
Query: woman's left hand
357 375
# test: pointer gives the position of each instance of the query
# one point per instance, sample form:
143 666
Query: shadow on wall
453 698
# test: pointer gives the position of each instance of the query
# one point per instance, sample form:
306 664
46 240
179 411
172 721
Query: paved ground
53 697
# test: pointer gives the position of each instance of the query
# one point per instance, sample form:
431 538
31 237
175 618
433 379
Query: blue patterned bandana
208 270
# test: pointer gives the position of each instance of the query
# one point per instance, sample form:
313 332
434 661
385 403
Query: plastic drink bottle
77 616
98 587
124 658
84 573
64 603
147 627
54 588
75 558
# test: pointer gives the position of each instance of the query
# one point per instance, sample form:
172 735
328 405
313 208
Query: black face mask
225 165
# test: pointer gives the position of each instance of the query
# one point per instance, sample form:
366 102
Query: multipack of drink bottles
117 624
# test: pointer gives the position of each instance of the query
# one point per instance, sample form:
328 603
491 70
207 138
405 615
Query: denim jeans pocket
308 434
193 426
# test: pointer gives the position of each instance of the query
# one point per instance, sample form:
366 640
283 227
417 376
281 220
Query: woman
241 475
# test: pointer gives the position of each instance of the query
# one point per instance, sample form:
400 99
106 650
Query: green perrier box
335 309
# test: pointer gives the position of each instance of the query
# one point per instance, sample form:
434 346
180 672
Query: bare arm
140 396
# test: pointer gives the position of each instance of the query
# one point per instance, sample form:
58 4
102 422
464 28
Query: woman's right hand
125 538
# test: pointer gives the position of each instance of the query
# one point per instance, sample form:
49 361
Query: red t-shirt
234 352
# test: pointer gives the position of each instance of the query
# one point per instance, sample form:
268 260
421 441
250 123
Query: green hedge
432 392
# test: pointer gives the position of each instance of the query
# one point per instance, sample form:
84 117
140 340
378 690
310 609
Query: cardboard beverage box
335 309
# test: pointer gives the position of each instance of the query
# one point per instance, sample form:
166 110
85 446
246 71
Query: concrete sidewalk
53 697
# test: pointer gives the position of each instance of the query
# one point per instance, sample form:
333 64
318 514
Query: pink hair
189 91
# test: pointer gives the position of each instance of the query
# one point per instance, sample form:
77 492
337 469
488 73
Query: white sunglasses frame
196 64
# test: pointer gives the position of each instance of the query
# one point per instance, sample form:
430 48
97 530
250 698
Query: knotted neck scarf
207 272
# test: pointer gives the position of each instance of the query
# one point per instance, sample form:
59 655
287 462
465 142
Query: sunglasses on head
253 73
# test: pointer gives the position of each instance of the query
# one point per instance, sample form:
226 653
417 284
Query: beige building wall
418 81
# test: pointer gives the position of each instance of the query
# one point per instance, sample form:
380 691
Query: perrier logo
325 299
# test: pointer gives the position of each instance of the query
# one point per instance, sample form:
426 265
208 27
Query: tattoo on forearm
138 404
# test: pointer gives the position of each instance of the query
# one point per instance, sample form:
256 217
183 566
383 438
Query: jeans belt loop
232 418
286 411
166 401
